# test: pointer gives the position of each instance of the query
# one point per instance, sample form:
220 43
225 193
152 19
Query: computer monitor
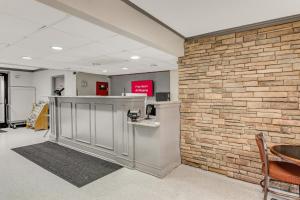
162 96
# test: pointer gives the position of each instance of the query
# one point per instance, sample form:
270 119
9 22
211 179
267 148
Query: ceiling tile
81 28
197 17
119 44
20 63
108 60
31 10
44 39
16 53
2 46
13 29
60 58
90 50
86 47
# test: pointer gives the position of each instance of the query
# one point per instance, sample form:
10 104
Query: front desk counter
157 140
99 126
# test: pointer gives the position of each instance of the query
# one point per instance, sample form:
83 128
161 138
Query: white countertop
145 122
101 97
164 102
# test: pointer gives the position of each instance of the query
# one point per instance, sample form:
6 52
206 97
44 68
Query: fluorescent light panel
26 58
135 57
56 48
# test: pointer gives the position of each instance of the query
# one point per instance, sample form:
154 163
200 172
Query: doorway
58 85
3 99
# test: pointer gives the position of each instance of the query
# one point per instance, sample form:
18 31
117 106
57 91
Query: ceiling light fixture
124 68
135 57
26 58
56 48
104 71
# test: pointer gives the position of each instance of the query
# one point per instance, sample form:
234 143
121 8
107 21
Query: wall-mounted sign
142 87
101 88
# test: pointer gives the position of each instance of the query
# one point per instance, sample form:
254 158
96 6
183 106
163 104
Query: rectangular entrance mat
75 167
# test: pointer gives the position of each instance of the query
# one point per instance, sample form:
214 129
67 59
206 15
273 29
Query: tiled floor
20 179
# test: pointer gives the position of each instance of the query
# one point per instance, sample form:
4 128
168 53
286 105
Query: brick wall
233 87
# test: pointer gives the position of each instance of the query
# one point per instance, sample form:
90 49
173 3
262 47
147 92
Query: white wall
161 82
59 83
19 78
174 85
2 96
21 103
42 80
89 88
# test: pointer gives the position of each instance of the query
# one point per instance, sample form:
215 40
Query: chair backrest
263 152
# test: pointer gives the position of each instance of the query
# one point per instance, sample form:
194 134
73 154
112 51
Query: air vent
4 44
96 64
108 61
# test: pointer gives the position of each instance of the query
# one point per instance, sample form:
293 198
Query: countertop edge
145 123
100 97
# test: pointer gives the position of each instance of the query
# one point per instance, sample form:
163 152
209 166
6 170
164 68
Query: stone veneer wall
233 87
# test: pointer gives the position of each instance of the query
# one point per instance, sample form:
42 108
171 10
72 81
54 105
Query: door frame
5 124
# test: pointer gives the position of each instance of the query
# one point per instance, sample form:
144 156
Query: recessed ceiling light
26 58
135 57
104 71
56 48
124 68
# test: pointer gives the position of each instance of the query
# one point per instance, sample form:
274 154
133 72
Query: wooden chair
276 171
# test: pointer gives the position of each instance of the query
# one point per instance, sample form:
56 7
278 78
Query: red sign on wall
101 88
142 87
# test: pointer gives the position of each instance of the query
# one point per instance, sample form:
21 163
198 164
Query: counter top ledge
147 123
102 97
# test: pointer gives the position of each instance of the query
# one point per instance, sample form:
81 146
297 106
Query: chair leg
261 183
266 187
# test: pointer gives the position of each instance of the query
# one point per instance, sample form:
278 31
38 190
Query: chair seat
285 172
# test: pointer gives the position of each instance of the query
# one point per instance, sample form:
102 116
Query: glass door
3 100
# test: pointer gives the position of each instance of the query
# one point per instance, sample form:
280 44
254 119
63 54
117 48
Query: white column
174 85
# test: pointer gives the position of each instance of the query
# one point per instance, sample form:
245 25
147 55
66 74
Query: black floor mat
73 166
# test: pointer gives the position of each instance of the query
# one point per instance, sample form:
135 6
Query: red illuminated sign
142 87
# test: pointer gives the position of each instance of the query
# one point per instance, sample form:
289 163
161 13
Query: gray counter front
96 125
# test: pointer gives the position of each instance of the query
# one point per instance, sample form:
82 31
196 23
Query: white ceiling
196 17
29 28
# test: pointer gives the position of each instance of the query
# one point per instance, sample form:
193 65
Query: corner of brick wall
233 87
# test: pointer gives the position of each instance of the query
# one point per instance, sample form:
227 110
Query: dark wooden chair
276 171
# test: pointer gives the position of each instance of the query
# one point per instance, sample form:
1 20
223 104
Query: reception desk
99 126
157 140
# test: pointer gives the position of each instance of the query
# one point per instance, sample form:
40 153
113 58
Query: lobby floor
20 179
